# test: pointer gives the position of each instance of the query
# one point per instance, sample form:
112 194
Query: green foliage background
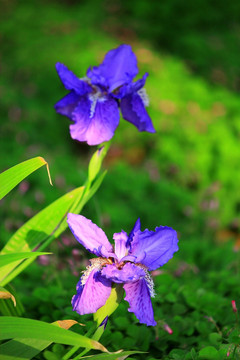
185 176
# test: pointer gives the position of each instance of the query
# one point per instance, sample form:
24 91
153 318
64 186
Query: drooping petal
67 104
138 297
133 110
71 81
92 295
89 235
120 244
154 248
95 120
128 273
118 67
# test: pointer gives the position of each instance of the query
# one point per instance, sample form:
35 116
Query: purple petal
95 122
130 88
119 67
128 273
133 110
71 81
120 244
67 104
137 227
138 296
89 235
92 295
154 248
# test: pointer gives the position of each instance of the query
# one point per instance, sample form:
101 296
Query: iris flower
94 101
128 262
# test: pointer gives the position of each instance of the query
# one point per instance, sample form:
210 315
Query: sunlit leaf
115 356
9 258
13 176
26 349
96 162
14 327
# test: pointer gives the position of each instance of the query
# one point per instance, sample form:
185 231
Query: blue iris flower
128 262
94 101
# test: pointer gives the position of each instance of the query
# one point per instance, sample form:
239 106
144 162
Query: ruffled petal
128 273
92 295
138 297
89 235
71 81
67 104
118 67
131 88
154 248
133 110
95 120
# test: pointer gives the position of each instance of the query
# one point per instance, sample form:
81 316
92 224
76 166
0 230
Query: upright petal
154 248
95 120
71 81
133 110
137 227
138 296
89 235
120 248
128 273
67 104
118 67
92 295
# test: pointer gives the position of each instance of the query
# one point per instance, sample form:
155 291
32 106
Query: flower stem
76 347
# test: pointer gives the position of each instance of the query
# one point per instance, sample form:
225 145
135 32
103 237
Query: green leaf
24 349
5 294
14 327
114 356
208 353
96 162
13 176
111 304
9 258
41 229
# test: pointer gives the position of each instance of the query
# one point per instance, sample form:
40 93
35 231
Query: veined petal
67 104
89 235
118 67
120 244
92 295
71 81
130 88
128 273
95 120
133 110
138 297
154 248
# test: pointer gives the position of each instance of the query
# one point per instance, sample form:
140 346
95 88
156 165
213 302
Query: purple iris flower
93 102
128 262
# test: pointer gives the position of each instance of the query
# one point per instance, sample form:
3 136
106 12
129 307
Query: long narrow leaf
114 356
51 221
13 327
13 176
9 258
26 349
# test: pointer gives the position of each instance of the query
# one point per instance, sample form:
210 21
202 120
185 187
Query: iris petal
67 104
71 81
119 67
92 295
128 273
133 110
154 248
95 125
138 297
89 235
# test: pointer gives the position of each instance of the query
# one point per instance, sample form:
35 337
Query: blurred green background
185 176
